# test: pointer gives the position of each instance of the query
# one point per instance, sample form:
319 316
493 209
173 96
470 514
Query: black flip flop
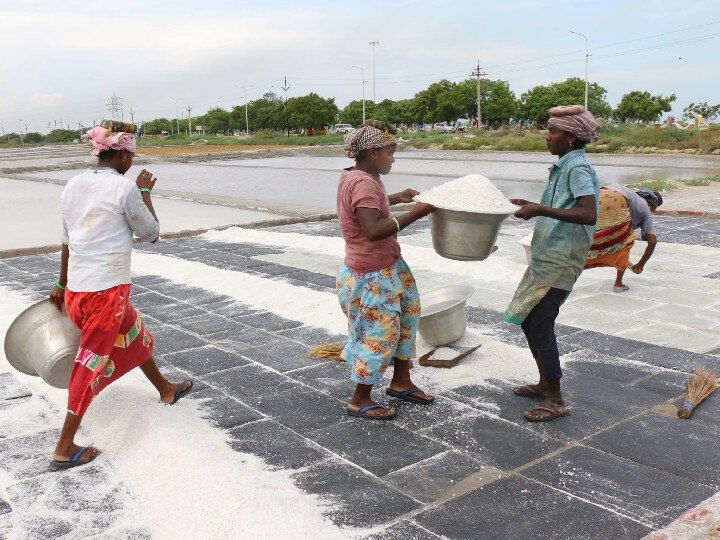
74 461
362 412
406 395
181 393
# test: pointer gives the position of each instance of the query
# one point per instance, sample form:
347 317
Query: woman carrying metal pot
101 211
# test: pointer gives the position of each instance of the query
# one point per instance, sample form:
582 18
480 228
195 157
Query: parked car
342 128
442 127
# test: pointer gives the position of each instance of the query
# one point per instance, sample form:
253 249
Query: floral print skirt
383 311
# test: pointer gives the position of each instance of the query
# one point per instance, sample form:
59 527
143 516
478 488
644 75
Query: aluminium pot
43 342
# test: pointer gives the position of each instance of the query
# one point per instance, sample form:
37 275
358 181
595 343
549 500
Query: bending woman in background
376 287
620 212
101 210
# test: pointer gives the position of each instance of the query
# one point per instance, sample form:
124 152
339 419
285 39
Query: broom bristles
328 351
702 383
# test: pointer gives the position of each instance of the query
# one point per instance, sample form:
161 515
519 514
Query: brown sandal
554 413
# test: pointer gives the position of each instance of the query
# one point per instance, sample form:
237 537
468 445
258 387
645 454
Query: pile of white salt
471 193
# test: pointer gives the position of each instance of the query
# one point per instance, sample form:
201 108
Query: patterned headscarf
112 135
372 134
653 197
577 120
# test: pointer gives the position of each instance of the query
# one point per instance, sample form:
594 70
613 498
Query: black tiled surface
250 384
377 446
205 360
405 530
665 443
434 478
278 446
524 509
359 499
636 462
494 442
282 355
604 479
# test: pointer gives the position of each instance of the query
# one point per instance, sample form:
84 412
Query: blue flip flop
362 412
181 393
74 461
406 395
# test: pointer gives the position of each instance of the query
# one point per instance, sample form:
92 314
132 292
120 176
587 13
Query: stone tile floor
468 467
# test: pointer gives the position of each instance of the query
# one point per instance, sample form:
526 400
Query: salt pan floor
236 311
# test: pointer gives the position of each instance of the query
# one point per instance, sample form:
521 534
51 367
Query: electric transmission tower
114 107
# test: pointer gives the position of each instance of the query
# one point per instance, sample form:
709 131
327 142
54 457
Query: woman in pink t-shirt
376 287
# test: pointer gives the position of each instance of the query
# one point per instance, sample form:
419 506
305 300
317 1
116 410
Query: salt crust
472 193
186 481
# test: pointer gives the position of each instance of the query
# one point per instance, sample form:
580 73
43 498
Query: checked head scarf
372 134
577 120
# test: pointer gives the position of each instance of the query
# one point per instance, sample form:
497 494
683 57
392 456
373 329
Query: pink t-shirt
358 189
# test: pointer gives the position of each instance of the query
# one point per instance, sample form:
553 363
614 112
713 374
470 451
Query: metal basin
43 342
443 318
465 236
526 243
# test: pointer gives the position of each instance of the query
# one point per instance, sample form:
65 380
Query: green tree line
442 101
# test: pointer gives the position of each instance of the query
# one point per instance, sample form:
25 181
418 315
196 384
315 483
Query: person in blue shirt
566 217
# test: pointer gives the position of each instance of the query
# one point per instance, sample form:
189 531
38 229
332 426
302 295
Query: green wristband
145 190
58 285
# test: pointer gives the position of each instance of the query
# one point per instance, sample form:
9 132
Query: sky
64 60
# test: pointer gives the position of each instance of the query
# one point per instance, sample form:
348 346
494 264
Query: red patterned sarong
112 342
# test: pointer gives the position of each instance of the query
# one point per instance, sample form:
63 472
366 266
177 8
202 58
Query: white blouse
101 210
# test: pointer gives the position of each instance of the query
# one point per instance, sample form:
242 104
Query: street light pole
177 114
247 123
362 71
587 59
372 44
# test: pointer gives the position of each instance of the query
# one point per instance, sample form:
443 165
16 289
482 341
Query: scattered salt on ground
187 481
321 310
491 269
471 193
443 353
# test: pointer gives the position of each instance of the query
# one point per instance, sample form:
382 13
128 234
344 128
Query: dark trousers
539 328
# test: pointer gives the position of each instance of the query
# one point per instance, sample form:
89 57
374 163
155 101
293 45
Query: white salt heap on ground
471 193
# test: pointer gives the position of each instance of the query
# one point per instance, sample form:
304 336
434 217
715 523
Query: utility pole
362 71
132 115
177 114
114 107
286 87
587 61
478 72
189 108
21 135
372 44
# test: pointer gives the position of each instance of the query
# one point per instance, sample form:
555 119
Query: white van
342 128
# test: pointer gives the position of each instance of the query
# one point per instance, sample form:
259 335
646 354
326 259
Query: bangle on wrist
59 285
145 190
397 223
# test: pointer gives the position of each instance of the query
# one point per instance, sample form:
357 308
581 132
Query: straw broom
702 383
327 352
